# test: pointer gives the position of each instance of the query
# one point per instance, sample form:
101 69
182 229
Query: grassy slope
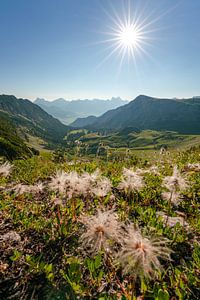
11 144
146 139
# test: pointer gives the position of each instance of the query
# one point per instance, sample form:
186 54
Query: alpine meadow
99 150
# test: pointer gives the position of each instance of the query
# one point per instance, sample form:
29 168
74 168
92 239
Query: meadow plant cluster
96 229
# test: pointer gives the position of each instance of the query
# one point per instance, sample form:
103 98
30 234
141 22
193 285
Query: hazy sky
57 48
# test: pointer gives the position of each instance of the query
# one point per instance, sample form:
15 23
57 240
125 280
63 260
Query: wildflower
192 167
77 184
176 181
10 236
174 197
102 188
20 189
5 169
112 197
38 188
102 230
152 169
140 255
131 181
58 182
172 221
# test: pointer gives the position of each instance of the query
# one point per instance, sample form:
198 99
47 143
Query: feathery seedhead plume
12 236
131 181
140 256
102 231
38 188
192 167
152 169
77 185
176 181
5 169
173 197
102 188
172 221
58 182
20 189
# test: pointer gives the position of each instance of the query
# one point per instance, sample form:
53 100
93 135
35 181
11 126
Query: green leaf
16 255
97 262
163 295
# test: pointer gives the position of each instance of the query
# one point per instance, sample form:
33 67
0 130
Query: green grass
146 139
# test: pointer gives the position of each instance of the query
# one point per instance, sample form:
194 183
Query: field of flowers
101 228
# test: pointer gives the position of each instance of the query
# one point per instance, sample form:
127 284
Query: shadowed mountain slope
145 112
32 119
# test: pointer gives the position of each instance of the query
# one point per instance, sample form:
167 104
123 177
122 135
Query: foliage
42 253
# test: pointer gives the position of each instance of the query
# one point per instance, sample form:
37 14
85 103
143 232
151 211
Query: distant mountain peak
68 111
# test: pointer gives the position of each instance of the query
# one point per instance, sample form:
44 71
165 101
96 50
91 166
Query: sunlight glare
129 36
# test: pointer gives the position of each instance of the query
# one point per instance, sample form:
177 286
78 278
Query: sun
129 36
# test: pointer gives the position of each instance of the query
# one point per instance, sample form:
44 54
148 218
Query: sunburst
131 34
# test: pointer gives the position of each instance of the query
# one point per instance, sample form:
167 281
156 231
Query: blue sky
55 48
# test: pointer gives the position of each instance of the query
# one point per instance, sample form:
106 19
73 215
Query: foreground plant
140 256
131 181
5 169
176 182
102 230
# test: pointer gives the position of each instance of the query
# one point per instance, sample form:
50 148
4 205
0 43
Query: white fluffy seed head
5 169
102 188
176 181
172 221
192 167
58 182
20 189
131 181
101 231
173 197
140 256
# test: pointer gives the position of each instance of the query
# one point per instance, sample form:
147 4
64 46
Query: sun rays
131 34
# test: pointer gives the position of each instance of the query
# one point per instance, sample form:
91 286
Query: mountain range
21 119
144 112
132 124
68 111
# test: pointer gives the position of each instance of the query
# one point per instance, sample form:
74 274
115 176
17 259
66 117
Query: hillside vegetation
112 228
21 119
11 145
130 138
